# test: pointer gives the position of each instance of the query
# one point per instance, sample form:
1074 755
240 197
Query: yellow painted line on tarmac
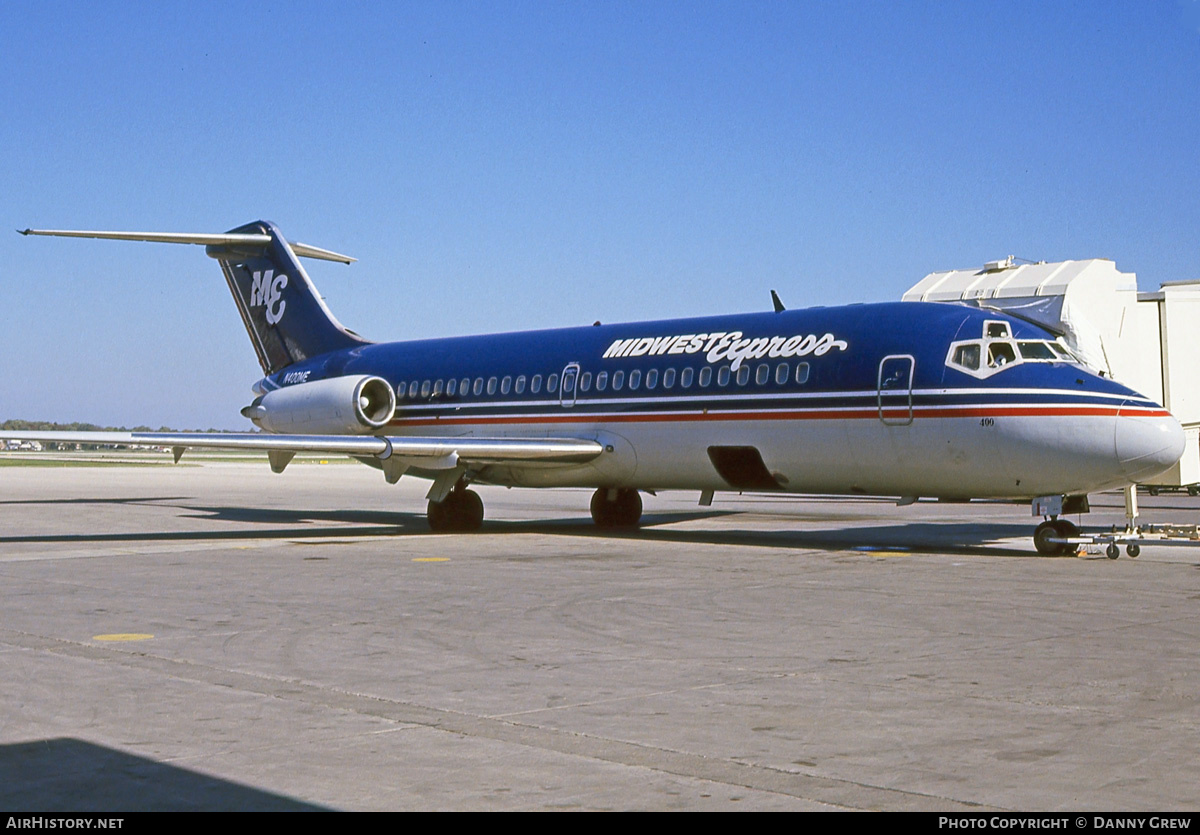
123 636
431 559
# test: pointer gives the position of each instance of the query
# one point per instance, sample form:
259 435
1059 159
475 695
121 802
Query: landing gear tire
1193 489
470 510
625 511
1133 549
1112 551
1153 491
461 511
438 516
1066 530
1041 539
1055 529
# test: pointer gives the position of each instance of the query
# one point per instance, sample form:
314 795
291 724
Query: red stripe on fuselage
569 416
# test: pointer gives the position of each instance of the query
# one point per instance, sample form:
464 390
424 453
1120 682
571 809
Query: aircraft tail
283 313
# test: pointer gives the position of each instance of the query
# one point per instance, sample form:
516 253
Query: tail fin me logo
266 289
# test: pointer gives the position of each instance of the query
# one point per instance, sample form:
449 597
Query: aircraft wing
449 456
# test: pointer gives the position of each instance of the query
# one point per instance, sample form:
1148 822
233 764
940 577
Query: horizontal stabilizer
199 238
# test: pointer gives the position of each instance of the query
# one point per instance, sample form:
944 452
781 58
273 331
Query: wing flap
421 451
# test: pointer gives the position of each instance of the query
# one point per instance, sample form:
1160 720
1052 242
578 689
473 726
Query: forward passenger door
894 389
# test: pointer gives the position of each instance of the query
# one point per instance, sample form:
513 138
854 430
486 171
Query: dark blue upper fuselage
842 347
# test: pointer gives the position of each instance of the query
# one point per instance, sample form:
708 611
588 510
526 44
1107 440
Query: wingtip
24 231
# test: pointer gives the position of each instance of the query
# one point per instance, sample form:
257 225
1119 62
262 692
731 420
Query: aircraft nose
1147 444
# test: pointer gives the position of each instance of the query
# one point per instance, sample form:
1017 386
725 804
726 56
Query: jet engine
338 406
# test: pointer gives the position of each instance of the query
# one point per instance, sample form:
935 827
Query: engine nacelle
338 406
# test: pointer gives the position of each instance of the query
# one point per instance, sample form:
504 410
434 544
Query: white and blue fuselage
903 399
860 399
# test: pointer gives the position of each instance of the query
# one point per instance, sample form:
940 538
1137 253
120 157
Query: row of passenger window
782 374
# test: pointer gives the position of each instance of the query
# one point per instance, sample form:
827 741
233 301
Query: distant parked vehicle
1155 489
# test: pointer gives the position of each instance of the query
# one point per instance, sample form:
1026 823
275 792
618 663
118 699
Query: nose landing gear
1054 529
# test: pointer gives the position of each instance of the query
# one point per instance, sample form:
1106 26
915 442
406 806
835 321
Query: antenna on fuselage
779 308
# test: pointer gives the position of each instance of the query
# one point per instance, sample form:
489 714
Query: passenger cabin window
602 381
618 380
450 387
552 383
585 381
802 373
652 378
478 388
635 379
706 376
412 389
669 378
762 374
685 378
781 373
535 385
520 385
723 376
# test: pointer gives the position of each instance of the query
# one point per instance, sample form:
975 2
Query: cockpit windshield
997 350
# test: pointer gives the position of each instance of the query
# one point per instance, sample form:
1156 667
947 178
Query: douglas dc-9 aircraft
901 399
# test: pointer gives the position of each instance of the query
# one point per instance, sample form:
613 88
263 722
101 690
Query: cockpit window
967 356
1001 353
1036 350
997 350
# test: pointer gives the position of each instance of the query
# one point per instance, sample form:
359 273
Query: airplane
906 399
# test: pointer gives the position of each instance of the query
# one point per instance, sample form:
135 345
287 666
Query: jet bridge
1144 340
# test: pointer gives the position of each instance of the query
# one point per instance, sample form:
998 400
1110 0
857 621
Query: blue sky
507 166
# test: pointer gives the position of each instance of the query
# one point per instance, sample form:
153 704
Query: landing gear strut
616 508
461 510
1054 529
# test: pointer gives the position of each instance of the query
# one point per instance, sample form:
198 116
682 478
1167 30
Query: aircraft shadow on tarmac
847 533
71 775
122 500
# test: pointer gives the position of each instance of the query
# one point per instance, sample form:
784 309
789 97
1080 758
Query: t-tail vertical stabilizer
283 313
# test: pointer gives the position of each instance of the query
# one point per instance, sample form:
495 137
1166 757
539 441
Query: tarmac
220 637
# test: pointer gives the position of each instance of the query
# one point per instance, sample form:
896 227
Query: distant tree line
51 426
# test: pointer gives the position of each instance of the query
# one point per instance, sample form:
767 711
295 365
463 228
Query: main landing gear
616 508
460 511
